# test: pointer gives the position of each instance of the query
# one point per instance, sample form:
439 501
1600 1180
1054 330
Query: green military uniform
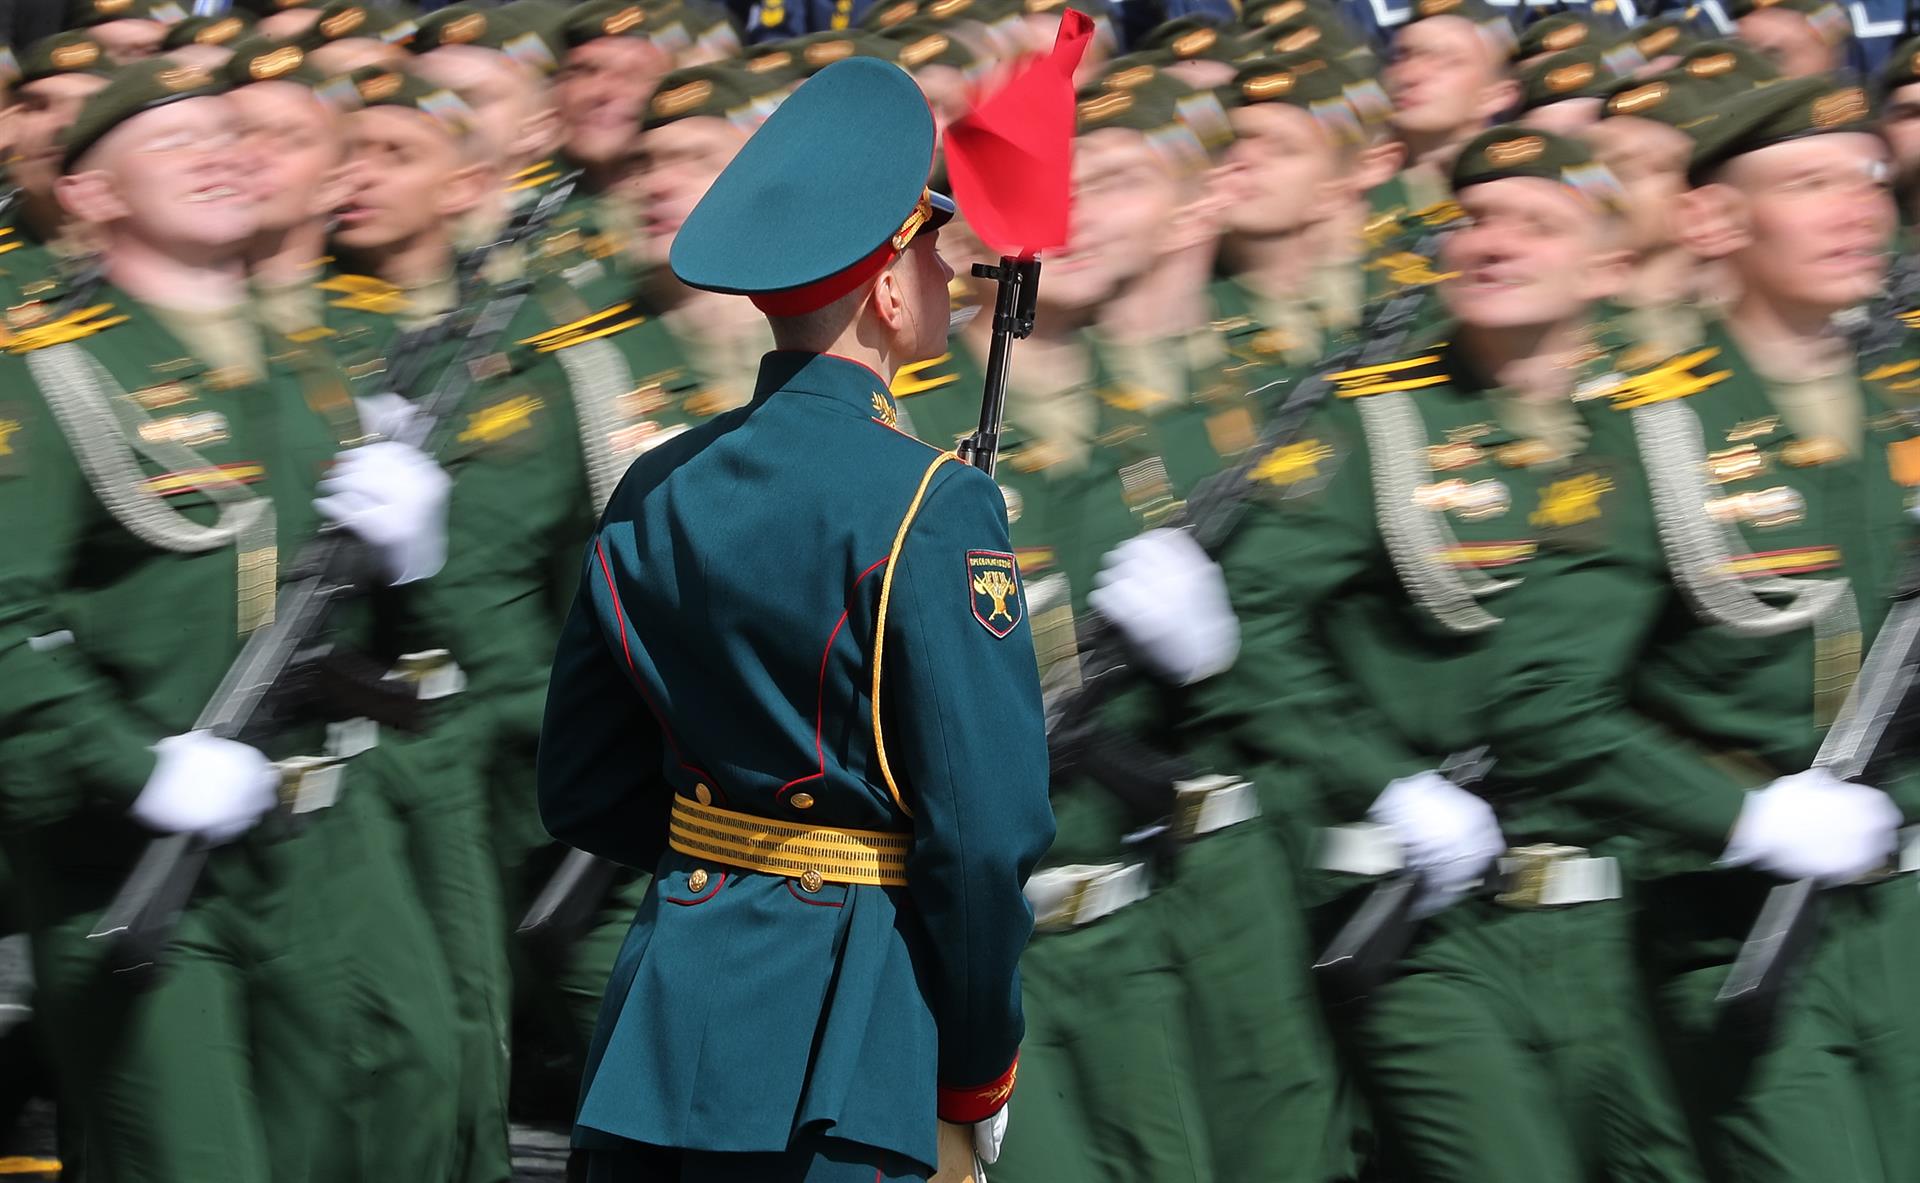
1760 530
859 977
1371 574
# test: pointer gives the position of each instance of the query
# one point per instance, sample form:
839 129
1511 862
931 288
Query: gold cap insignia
286 3
342 23
1267 86
1511 152
1105 107
219 32
77 56
942 9
1197 42
1913 63
380 87
281 61
826 53
682 99
1658 42
768 62
1711 66
924 50
1129 78
1569 77
1283 12
110 7
1437 7
470 27
1302 39
1842 106
1639 98
890 17
1565 38
624 20
184 78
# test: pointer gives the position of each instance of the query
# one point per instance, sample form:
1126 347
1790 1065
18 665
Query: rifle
1858 745
283 663
1367 947
1013 309
1857 748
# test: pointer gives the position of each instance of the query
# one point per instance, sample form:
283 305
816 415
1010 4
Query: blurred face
400 167
923 275
1124 198
603 90
678 163
1900 123
1278 173
946 91
129 41
295 144
1789 40
285 26
352 53
1202 73
173 178
1650 161
1440 77
1530 253
1812 219
41 111
208 57
506 99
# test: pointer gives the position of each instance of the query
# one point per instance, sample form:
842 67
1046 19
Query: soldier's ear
1714 221
91 197
539 134
888 298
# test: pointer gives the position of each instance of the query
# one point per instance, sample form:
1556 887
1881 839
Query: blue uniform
717 674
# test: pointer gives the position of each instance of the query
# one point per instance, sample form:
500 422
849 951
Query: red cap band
822 292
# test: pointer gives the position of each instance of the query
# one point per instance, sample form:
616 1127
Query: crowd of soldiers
1558 371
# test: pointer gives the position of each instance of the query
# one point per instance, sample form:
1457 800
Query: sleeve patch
993 589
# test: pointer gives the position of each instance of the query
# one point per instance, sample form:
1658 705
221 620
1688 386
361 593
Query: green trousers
1107 1091
1516 1048
1265 1073
1835 1095
227 1068
437 797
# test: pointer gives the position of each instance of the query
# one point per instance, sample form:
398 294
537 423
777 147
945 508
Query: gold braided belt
812 854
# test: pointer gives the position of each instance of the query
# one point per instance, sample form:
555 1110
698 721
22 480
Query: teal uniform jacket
723 647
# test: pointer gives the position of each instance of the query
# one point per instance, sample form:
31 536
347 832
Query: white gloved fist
206 785
1170 601
394 497
1449 835
1812 825
385 414
988 1133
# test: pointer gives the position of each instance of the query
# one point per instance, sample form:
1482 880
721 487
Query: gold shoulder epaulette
1380 227
1440 213
365 293
71 327
1408 269
603 323
1674 378
922 376
1411 374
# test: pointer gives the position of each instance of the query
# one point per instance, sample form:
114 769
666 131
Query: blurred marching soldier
1563 92
205 41
1759 501
166 462
57 76
401 1065
1447 79
611 69
1802 38
129 30
858 975
1371 575
349 36
1899 109
283 20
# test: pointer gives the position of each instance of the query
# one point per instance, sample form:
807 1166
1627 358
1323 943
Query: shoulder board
603 323
544 173
1892 370
1441 213
1380 228
1911 318
1407 268
7 240
364 293
922 376
1411 374
72 327
1677 377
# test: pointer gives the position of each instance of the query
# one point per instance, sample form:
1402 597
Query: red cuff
966 1106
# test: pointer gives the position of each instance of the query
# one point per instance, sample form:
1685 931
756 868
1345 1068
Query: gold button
703 794
811 882
802 800
697 881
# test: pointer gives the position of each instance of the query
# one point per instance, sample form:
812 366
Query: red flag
1010 158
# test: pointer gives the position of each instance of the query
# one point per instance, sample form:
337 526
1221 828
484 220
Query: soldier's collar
830 376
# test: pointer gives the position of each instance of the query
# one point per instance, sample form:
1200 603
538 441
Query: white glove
1812 825
206 785
988 1133
385 414
1170 601
1448 834
395 498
